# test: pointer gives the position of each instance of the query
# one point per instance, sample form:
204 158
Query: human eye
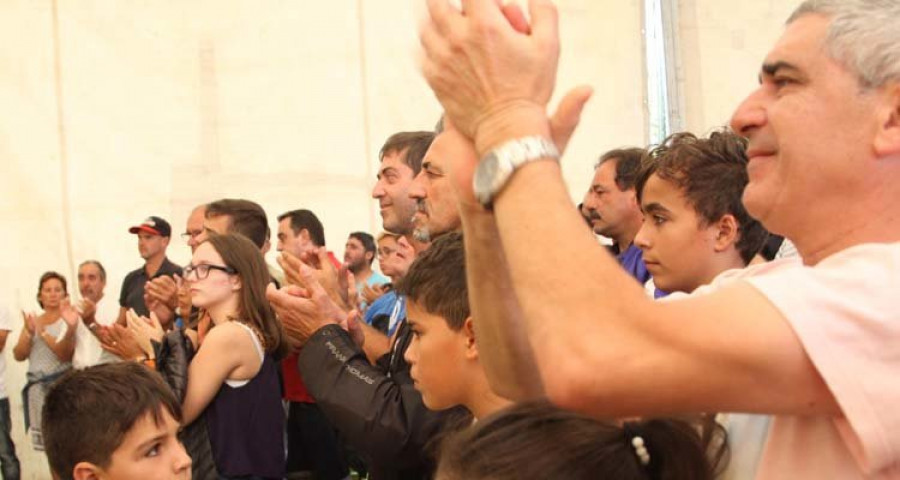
153 450
659 219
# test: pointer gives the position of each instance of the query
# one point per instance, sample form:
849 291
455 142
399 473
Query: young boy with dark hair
443 354
695 226
114 421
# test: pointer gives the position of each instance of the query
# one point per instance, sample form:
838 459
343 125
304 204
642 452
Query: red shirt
294 388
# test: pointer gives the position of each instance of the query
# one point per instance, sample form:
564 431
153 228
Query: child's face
678 250
217 287
149 451
437 357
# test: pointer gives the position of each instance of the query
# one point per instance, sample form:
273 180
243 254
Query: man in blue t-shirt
611 207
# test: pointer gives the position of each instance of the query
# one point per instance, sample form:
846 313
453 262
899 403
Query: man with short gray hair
812 342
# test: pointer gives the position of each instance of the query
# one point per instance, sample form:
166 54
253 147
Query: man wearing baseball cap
153 239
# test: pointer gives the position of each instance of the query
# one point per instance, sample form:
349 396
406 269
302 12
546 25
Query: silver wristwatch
498 165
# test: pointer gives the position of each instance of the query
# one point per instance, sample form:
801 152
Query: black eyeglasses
203 269
188 236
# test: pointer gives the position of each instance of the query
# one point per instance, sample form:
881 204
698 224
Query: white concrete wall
113 111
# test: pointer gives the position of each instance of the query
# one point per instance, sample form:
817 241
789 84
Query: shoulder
229 335
168 268
132 275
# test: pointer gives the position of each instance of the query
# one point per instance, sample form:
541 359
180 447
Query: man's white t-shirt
87 348
844 312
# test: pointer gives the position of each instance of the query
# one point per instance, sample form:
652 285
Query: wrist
512 120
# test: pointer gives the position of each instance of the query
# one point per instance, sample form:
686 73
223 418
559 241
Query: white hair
863 36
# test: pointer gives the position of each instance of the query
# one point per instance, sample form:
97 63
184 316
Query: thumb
154 320
568 114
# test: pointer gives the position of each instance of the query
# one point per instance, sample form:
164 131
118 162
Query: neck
871 219
153 264
224 311
482 400
363 274
724 261
629 231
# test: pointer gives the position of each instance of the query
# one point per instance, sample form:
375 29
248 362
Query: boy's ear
468 331
726 232
86 471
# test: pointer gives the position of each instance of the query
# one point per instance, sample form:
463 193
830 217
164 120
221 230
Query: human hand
163 313
371 293
145 330
303 310
88 310
69 314
163 289
326 275
30 320
120 341
486 64
352 326
562 125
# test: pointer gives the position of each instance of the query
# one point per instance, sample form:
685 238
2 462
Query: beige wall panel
723 45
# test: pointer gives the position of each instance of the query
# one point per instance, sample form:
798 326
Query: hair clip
641 450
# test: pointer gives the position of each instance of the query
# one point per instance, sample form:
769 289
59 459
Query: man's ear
86 471
887 139
304 234
726 232
468 332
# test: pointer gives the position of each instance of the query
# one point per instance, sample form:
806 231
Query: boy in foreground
111 422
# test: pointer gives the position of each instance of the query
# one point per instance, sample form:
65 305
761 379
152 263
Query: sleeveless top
42 362
246 422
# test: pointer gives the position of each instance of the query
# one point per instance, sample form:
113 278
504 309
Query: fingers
154 321
544 20
516 18
443 15
567 115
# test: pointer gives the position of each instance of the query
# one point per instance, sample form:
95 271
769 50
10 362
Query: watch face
485 176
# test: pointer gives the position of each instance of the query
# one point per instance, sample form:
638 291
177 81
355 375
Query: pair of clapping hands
167 297
316 294
133 341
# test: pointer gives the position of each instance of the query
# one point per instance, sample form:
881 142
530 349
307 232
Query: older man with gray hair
812 342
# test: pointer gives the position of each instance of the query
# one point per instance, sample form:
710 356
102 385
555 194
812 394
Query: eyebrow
386 170
655 208
770 69
156 438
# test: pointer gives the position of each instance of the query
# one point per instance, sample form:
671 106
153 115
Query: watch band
496 168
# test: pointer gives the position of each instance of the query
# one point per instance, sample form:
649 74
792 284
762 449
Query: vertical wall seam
366 105
65 191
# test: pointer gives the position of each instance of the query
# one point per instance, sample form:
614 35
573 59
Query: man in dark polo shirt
153 239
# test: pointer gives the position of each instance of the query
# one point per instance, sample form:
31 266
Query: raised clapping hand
30 320
486 64
69 314
145 330
373 292
163 289
304 307
120 341
325 274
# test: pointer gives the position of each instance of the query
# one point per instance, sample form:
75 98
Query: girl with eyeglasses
233 379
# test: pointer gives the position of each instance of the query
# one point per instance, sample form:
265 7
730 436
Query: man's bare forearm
501 335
